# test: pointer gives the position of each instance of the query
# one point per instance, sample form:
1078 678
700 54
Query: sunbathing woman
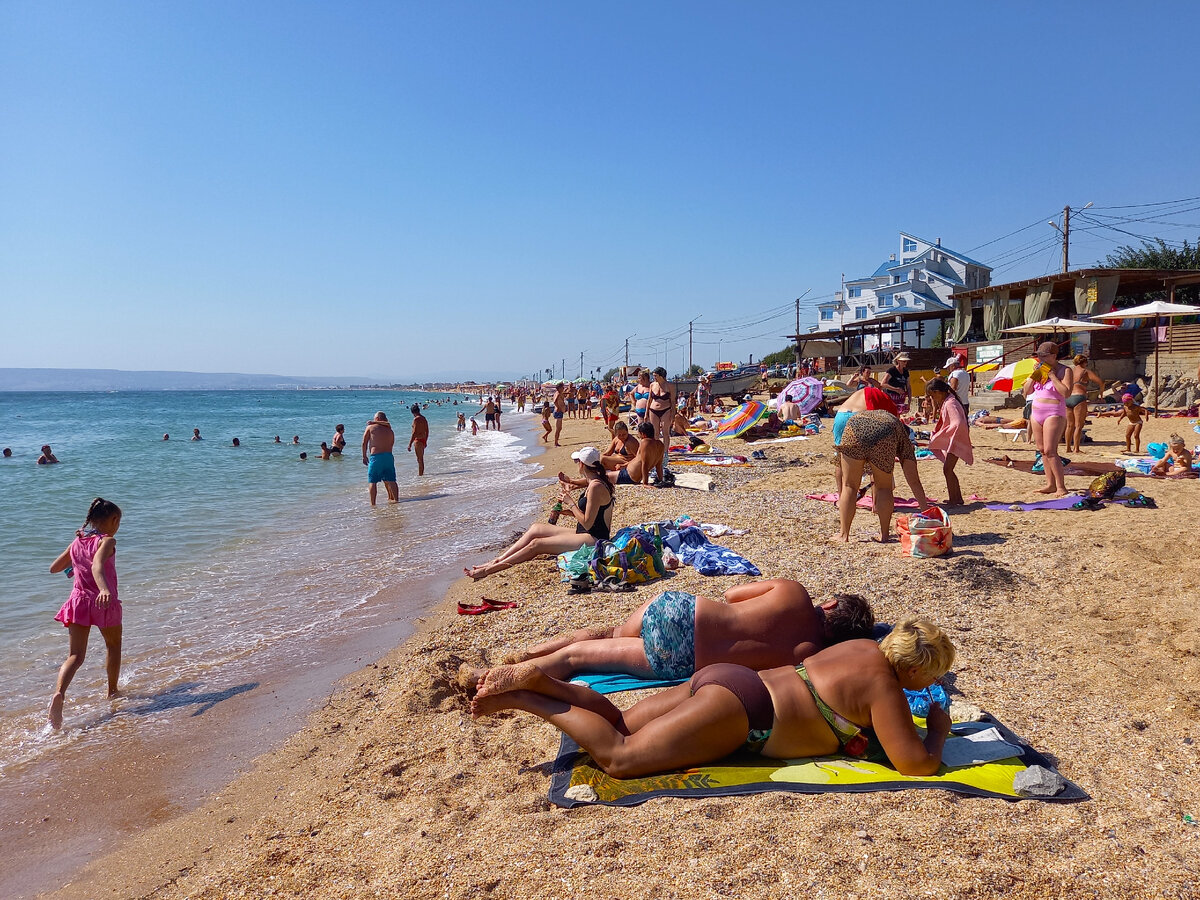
951 438
592 514
1077 403
661 411
848 698
641 394
759 625
621 449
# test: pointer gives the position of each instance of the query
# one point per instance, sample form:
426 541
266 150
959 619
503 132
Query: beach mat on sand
693 481
866 501
749 773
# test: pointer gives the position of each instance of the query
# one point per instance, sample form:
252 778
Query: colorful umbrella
805 392
1012 376
740 419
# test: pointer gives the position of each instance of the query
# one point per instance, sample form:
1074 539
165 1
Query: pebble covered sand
1078 630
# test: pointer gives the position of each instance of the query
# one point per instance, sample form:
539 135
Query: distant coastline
14 380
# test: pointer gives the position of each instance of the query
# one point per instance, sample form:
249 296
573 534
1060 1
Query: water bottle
555 512
69 571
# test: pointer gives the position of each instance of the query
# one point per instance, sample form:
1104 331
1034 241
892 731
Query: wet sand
1079 630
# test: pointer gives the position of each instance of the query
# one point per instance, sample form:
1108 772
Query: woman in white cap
895 382
592 514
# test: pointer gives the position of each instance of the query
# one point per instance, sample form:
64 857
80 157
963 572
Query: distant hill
119 380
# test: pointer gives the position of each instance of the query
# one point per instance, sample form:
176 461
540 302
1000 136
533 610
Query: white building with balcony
921 278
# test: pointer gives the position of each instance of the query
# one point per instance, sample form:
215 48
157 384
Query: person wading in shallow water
378 441
420 437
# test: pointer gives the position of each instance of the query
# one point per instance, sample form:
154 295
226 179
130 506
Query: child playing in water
1178 460
93 599
462 421
474 426
1135 414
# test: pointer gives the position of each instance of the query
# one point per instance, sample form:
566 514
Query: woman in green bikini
847 698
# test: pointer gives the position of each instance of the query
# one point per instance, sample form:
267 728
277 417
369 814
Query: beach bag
925 534
1105 486
575 564
634 555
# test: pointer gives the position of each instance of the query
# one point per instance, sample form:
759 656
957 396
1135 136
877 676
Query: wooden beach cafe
980 324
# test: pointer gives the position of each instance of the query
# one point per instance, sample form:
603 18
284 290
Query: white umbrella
1053 324
1159 310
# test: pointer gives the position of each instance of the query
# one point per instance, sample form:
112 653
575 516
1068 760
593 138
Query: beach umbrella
1158 310
805 392
740 419
1012 376
1056 324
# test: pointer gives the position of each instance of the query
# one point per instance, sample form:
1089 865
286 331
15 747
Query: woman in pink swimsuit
1049 414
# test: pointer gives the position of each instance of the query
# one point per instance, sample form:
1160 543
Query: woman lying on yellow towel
848 698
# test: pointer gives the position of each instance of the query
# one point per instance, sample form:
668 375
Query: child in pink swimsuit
93 599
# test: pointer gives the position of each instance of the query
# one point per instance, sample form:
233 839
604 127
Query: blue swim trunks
381 467
839 425
669 634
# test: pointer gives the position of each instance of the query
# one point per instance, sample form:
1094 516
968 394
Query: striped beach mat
577 781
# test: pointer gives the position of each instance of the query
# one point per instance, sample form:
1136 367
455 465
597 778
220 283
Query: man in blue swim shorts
378 441
759 625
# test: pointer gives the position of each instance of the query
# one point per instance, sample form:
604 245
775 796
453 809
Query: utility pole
797 334
564 369
689 365
1065 231
580 363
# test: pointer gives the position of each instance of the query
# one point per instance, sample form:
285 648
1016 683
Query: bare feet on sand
56 710
469 678
502 679
486 706
881 539
840 539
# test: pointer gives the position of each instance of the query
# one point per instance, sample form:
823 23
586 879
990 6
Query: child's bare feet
56 711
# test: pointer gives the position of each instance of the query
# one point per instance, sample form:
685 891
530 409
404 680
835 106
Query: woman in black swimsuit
592 514
661 411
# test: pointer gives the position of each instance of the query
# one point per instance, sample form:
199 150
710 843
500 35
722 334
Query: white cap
589 456
951 363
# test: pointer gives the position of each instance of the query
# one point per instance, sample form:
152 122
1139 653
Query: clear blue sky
402 189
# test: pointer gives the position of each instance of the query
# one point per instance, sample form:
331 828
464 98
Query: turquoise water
225 555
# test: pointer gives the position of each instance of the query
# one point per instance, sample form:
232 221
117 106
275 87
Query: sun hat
589 456
952 362
902 357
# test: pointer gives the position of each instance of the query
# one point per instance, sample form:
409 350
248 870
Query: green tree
784 357
694 371
1157 254
611 374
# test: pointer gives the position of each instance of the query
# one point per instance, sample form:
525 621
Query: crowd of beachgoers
445 763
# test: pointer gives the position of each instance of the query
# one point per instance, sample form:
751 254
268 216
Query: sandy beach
1078 630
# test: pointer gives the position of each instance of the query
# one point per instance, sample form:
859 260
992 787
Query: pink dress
81 608
953 434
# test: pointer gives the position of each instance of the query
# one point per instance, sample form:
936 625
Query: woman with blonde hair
1077 403
848 698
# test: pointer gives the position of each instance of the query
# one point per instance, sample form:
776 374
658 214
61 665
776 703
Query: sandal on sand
499 604
580 586
467 610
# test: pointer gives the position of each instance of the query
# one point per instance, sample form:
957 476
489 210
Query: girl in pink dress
93 599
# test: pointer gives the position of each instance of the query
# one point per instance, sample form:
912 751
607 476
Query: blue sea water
225 555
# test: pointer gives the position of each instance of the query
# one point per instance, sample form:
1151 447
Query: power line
1156 203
